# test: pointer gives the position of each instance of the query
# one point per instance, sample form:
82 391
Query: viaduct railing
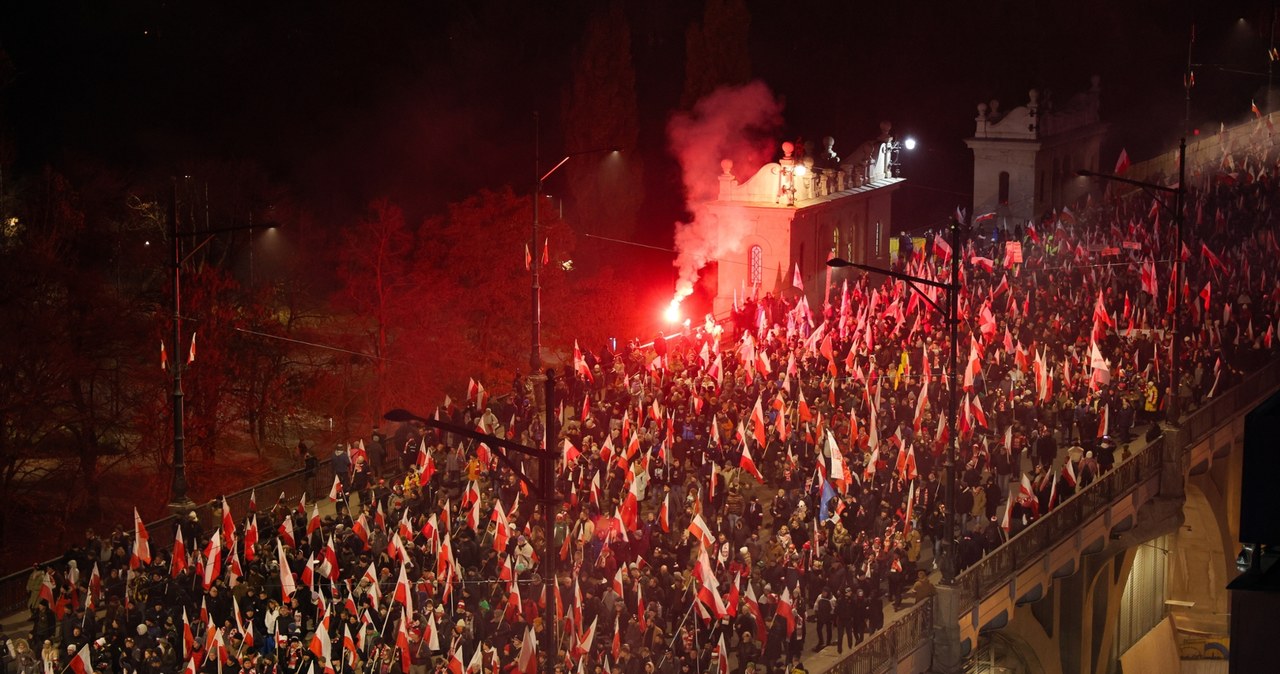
895 641
898 639
1029 544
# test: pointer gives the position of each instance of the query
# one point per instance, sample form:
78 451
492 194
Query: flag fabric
757 423
82 663
141 543
1122 163
527 661
287 586
191 354
164 357
748 464
786 610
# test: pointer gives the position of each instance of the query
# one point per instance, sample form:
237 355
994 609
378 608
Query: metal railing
880 652
1028 545
13 587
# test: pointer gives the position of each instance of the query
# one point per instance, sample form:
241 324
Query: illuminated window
755 260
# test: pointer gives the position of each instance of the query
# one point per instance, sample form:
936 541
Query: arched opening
1003 189
1001 653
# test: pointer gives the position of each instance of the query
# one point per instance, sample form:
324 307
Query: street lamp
179 502
544 488
949 562
535 352
1179 195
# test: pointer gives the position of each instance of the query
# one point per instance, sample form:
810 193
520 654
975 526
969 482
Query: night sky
426 102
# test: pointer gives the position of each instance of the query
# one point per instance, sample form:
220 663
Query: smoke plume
734 123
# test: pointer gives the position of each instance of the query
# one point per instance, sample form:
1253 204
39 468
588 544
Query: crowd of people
722 488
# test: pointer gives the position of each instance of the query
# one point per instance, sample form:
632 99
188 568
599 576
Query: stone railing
883 650
1029 544
994 569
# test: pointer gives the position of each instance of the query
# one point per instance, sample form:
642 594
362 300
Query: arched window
755 261
1003 199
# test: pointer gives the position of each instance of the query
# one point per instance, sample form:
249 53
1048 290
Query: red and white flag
527 660
748 464
287 585
82 663
141 543
1122 162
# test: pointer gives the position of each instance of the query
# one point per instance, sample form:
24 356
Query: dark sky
428 101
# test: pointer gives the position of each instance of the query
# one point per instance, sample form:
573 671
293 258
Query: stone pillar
946 631
1070 591
1173 469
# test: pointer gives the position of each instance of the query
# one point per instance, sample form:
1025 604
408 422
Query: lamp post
1179 196
544 488
179 502
953 295
535 352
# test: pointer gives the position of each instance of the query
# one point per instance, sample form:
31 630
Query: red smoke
736 123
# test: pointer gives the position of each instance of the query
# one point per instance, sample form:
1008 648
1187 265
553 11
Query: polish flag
924 396
403 593
287 586
1027 496
582 645
527 660
349 645
1069 472
748 464
402 645
95 589
805 414
757 423
188 639
335 492
630 511
580 366
82 663
786 611
141 543
502 533
213 559
228 524
251 538
313 525
1104 420
722 660
179 559
616 647
869 472
1122 163
700 531
753 606
286 531
978 414
1005 522
664 514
